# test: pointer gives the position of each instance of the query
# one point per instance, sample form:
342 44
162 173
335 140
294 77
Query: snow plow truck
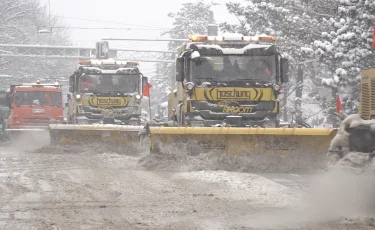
226 101
104 103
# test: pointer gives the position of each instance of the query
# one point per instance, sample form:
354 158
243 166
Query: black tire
361 139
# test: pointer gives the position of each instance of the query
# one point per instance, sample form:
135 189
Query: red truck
34 106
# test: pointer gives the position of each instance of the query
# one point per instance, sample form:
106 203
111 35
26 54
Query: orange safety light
197 38
84 62
132 63
267 38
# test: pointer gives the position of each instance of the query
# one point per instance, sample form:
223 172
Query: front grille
365 100
36 120
372 108
103 111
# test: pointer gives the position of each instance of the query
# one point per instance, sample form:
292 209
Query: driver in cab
87 84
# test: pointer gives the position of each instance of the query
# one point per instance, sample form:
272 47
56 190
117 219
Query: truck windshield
31 98
106 83
231 68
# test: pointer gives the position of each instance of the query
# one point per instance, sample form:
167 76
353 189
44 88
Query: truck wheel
361 139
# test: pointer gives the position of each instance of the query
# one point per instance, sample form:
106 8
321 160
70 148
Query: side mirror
144 82
180 69
196 57
66 104
71 83
284 70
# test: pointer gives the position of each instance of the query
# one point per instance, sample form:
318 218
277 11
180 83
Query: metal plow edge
110 135
26 136
297 148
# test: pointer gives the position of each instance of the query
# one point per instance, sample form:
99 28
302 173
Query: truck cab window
55 99
31 98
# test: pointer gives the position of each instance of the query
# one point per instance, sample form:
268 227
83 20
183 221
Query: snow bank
342 137
243 186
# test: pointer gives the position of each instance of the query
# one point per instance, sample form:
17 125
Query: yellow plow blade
292 147
26 137
115 135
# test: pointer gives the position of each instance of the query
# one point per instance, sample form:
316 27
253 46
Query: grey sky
147 18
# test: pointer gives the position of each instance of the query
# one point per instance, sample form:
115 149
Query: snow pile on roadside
246 187
342 137
337 198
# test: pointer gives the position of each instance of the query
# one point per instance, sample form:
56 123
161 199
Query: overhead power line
112 22
100 28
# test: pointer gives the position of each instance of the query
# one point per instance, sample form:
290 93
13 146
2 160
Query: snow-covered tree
347 48
20 23
296 24
192 18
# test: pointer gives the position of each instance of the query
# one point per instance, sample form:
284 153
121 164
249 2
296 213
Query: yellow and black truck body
105 92
367 105
228 81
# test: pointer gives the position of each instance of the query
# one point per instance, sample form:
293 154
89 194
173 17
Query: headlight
78 96
138 97
276 87
189 85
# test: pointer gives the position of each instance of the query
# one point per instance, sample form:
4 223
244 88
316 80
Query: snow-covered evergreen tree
20 22
297 24
347 48
192 18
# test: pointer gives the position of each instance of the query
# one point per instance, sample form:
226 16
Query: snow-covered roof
112 71
44 86
235 51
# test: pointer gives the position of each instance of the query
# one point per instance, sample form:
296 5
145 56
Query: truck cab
105 91
34 105
229 80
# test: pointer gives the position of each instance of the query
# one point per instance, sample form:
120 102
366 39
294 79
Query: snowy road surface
82 190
